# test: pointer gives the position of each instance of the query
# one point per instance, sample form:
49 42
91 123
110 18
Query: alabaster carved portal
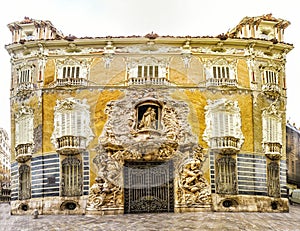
147 126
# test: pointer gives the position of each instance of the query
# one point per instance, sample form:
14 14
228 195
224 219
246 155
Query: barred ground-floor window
71 180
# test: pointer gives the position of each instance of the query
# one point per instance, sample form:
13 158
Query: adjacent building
132 124
4 166
293 154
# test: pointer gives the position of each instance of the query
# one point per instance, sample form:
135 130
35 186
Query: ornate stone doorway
148 187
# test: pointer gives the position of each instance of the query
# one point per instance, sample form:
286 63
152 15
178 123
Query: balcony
272 90
272 150
24 152
225 144
148 81
219 82
67 82
24 89
68 145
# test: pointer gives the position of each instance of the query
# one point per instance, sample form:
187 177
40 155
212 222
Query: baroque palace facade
109 125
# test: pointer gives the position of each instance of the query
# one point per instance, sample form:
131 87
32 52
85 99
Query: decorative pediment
220 62
222 105
272 111
70 104
23 111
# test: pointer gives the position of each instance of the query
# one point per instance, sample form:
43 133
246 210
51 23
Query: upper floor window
71 72
223 125
24 76
220 72
270 77
24 79
147 71
24 126
272 131
71 124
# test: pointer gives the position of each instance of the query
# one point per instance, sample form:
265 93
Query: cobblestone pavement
165 221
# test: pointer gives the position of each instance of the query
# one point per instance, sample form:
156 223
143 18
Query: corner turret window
24 78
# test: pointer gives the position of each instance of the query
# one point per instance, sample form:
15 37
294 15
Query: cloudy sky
139 17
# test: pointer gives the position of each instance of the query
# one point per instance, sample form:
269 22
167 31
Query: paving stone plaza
150 221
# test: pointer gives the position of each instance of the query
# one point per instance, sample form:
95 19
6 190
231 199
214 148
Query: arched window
71 180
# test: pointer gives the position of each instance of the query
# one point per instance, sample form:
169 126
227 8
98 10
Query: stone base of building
199 208
105 211
50 205
220 203
245 203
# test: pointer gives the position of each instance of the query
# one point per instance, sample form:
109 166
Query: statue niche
148 116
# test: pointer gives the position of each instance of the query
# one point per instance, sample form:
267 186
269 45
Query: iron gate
148 187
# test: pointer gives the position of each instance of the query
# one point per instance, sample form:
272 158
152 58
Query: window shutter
156 71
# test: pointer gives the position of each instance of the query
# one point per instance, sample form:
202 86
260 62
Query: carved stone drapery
193 188
104 192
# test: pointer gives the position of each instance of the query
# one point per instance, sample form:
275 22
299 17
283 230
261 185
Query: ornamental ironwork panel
148 187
